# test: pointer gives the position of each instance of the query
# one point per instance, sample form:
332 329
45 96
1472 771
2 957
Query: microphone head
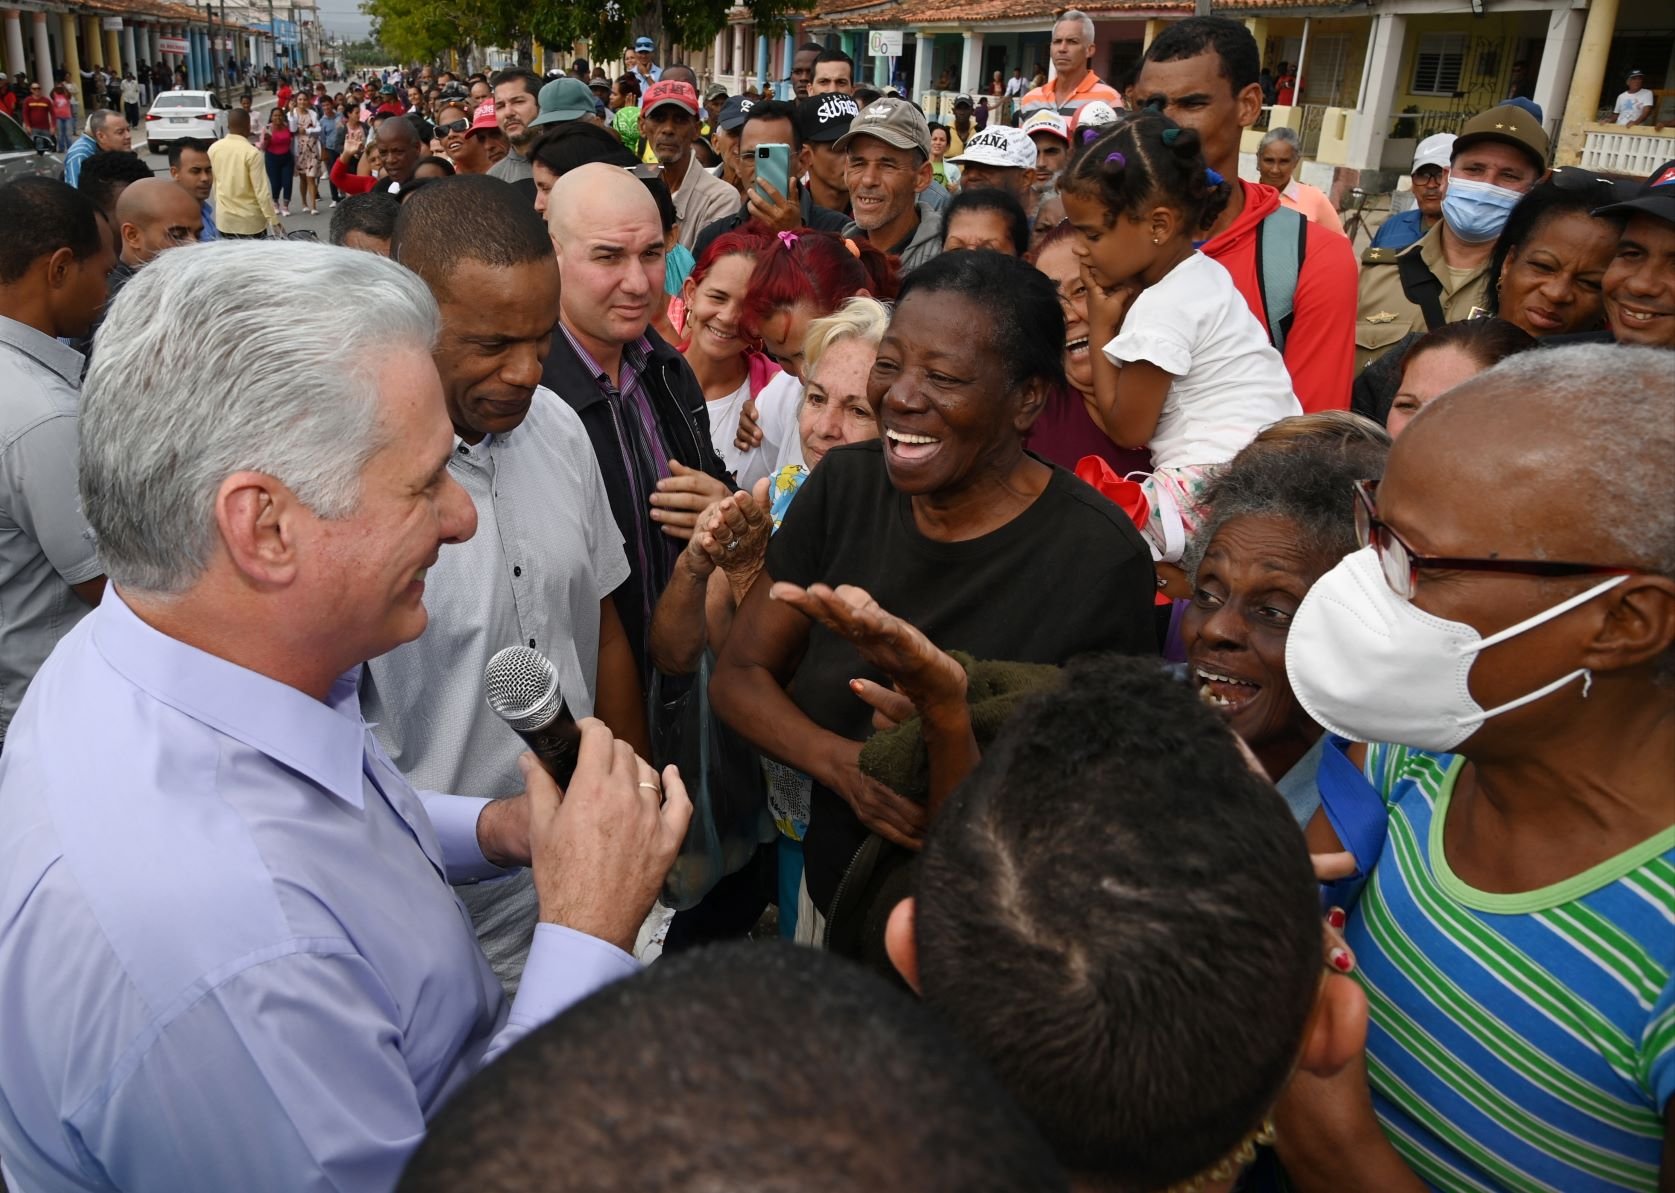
522 688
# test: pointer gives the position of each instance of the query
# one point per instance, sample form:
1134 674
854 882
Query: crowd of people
1197 712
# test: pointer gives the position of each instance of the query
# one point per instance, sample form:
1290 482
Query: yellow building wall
1491 48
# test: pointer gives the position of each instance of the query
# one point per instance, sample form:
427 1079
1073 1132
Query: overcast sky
345 18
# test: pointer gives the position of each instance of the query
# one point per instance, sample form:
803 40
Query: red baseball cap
680 94
483 118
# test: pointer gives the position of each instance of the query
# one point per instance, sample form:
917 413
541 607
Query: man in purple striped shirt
643 409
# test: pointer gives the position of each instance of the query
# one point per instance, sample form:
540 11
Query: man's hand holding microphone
600 846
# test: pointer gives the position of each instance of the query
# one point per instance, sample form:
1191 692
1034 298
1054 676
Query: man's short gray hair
97 119
1616 409
194 378
1081 18
1282 133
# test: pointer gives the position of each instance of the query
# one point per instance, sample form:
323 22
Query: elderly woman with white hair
1514 931
1277 158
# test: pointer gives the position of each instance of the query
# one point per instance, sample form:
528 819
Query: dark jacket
684 426
821 219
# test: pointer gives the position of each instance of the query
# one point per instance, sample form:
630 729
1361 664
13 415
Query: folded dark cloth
898 758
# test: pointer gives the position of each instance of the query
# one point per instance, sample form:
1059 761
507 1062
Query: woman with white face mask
1514 631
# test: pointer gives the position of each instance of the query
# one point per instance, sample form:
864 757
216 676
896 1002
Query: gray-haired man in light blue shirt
229 956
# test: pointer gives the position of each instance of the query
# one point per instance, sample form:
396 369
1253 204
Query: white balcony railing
1634 152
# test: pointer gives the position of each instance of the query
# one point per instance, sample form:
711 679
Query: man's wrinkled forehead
1177 81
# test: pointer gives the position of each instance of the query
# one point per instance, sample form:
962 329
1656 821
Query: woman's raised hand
921 671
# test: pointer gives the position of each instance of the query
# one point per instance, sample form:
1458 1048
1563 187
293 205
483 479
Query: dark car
23 155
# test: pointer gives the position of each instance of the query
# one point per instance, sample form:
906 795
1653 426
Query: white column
738 58
1372 119
924 49
1558 63
43 51
1302 56
15 62
128 61
971 63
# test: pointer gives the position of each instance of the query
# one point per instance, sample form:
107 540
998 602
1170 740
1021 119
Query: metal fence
1419 125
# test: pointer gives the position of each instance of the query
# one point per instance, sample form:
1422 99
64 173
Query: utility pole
214 79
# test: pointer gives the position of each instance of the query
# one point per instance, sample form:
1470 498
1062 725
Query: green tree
423 30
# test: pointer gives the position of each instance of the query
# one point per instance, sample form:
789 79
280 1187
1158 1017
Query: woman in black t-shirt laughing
950 525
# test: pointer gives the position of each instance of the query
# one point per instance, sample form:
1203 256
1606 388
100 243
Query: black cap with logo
1656 196
825 118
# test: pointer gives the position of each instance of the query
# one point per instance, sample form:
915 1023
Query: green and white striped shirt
1519 1041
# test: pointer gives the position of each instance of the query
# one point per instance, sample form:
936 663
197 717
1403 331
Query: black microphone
523 691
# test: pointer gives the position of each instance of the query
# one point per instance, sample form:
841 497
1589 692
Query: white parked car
184 115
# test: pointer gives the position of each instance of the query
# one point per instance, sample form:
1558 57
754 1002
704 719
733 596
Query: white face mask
1370 666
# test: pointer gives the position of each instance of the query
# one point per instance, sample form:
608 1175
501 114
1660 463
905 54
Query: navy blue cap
733 113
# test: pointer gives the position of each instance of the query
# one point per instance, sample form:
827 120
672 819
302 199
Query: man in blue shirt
644 49
229 956
189 167
1430 184
106 131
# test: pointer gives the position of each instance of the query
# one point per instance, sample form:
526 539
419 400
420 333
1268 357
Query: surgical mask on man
1371 666
1477 211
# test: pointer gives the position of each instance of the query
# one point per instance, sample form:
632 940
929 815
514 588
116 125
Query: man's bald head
609 237
581 196
1580 440
395 130
154 214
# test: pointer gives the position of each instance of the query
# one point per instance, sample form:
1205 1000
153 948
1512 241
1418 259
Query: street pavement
298 220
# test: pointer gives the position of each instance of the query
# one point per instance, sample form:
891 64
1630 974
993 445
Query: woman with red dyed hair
719 349
805 275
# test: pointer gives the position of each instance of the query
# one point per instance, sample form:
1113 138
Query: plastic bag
723 776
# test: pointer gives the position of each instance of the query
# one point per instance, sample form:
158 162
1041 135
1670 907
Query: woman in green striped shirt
1516 934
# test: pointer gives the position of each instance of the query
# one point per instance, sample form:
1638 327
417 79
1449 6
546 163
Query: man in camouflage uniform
1443 277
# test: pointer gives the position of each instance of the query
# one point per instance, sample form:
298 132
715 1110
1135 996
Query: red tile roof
872 13
160 10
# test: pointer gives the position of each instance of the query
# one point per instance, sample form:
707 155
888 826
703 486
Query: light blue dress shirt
229 955
210 232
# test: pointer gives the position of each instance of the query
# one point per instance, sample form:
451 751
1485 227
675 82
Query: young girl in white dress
1186 370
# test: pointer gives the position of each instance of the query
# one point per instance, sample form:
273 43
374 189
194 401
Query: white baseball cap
1048 121
1435 150
998 145
1095 114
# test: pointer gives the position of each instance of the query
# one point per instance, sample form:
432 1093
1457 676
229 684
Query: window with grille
1438 63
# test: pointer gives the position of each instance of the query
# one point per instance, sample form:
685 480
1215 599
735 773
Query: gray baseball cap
895 122
564 99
